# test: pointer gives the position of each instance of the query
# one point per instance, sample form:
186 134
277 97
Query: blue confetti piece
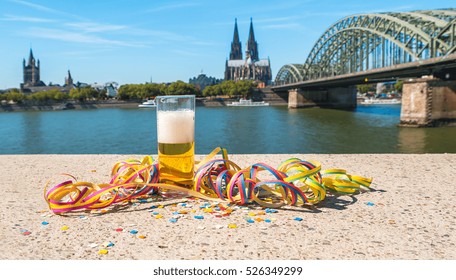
172 220
183 204
153 207
176 213
297 219
155 213
199 217
370 204
268 210
110 244
267 220
250 221
44 223
134 231
143 200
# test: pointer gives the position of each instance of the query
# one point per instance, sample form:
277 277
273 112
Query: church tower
252 45
31 71
69 80
236 48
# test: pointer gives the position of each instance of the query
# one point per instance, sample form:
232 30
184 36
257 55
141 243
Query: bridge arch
290 73
368 41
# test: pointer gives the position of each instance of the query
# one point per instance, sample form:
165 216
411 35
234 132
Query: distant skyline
130 41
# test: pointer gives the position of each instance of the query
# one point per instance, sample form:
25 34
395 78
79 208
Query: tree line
135 92
81 94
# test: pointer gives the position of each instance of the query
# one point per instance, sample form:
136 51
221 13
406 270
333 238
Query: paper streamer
295 182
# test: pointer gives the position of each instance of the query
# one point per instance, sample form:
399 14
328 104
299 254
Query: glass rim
175 96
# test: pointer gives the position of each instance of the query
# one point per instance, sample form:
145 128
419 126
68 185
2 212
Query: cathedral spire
252 45
236 48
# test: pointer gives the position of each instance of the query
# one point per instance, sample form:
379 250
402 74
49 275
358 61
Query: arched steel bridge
370 41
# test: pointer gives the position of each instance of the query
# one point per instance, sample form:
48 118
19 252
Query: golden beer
176 161
176 138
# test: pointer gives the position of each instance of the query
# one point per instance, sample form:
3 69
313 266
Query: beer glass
176 138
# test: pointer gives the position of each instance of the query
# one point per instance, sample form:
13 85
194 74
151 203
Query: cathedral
252 67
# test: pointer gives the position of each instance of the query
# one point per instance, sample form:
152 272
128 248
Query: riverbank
272 98
67 105
407 215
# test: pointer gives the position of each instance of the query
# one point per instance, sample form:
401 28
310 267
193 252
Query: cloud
64 35
92 27
26 19
43 8
35 6
172 7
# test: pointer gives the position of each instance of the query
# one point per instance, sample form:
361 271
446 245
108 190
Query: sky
138 41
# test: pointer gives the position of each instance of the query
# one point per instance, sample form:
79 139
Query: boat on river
248 103
380 101
148 104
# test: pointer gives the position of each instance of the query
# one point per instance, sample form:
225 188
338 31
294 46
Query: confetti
107 244
370 204
267 220
93 245
252 214
268 210
26 232
199 217
142 237
232 226
172 220
158 216
64 228
103 252
297 219
250 221
44 223
219 226
134 231
119 229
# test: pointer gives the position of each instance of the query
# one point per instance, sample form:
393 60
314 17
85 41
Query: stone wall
428 102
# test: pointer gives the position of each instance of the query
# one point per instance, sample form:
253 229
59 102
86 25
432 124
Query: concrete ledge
412 216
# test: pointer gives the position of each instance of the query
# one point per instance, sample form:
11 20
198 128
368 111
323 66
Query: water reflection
412 140
32 139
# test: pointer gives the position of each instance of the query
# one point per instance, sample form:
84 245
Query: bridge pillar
428 102
340 97
298 98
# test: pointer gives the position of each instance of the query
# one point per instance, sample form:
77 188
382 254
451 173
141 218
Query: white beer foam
176 127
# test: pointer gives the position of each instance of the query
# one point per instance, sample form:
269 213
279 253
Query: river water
248 130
